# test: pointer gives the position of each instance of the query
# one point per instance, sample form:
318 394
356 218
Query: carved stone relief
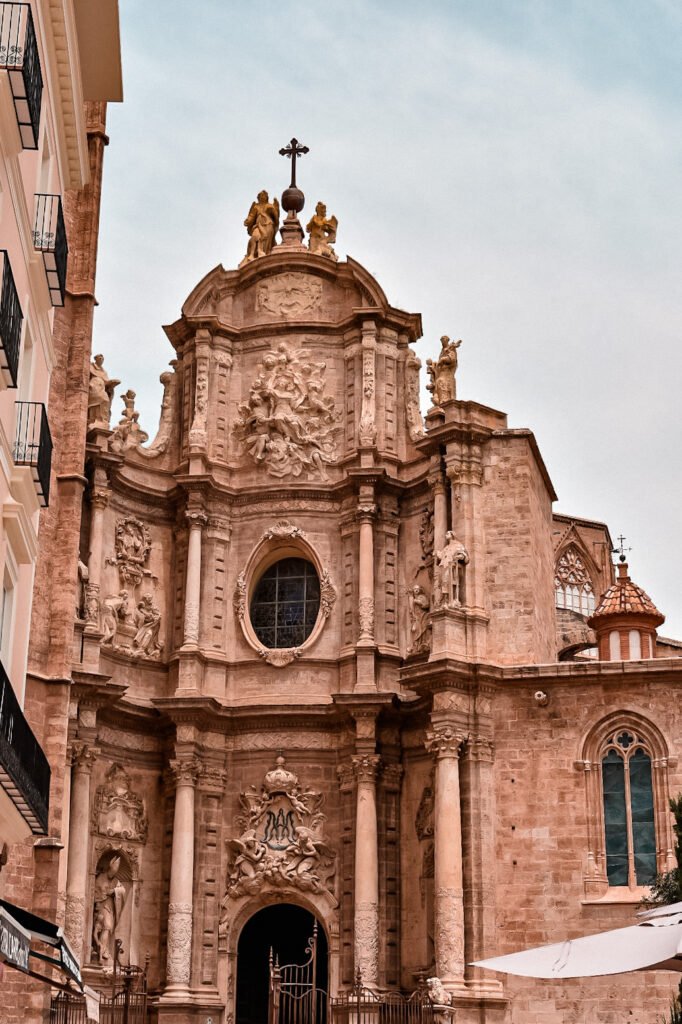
413 416
118 811
368 431
419 607
132 544
281 844
289 294
130 627
128 434
197 433
288 422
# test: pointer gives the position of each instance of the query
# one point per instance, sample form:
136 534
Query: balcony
11 319
19 56
24 771
33 445
49 237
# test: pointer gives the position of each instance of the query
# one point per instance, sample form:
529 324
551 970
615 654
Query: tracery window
626 761
629 830
572 583
285 603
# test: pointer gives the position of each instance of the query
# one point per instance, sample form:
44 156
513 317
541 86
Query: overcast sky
510 169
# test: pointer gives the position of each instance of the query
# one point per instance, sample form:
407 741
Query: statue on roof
100 394
442 372
261 223
322 231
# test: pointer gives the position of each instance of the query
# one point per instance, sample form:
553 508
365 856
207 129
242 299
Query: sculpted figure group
288 423
262 224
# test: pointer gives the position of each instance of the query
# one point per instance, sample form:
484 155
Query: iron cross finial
293 151
621 549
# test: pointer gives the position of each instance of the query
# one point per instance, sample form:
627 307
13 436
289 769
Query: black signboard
14 942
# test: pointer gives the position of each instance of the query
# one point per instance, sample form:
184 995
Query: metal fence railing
33 445
19 56
24 769
11 319
49 237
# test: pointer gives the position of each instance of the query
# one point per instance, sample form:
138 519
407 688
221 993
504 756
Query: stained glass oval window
285 603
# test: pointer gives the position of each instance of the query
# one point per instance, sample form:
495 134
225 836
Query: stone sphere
293 199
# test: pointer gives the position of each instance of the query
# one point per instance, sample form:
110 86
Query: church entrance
298 970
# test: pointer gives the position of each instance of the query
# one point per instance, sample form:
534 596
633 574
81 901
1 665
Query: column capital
391 775
99 498
196 517
366 511
365 767
444 740
83 756
479 748
213 777
185 771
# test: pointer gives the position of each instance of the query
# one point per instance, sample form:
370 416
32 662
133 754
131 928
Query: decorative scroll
288 423
281 843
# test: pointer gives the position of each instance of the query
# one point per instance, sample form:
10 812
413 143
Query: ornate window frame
283 540
585 564
593 747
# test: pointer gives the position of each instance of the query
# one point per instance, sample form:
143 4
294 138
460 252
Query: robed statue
442 372
100 393
110 897
261 223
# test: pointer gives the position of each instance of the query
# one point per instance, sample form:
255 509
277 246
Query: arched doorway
286 929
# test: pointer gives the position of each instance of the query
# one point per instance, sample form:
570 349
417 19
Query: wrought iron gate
294 995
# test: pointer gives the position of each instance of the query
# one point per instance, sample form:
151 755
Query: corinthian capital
365 767
444 740
83 757
195 517
185 771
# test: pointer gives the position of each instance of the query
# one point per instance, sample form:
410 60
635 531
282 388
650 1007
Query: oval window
285 603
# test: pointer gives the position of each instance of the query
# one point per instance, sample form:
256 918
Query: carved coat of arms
288 422
289 294
281 843
118 811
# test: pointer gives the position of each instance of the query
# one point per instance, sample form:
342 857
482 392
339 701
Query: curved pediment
289 287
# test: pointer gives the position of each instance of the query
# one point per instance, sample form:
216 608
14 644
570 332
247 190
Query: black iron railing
33 445
124 1003
11 319
49 237
19 56
24 771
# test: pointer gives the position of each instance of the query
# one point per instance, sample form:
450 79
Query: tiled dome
626 598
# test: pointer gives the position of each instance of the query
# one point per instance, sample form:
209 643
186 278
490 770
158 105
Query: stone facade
417 768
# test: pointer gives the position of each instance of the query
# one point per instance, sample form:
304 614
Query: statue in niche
100 394
114 610
322 231
148 622
261 223
110 897
442 372
288 423
448 574
420 626
83 578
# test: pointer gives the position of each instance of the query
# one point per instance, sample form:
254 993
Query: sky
511 169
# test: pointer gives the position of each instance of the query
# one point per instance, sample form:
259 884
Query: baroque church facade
336 667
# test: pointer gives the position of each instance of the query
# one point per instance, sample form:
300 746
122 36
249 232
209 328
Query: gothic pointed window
629 830
573 586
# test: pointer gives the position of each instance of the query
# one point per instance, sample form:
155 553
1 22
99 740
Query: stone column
440 506
444 741
366 574
185 771
366 917
197 520
83 759
99 502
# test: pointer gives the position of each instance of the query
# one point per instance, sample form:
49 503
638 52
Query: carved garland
261 558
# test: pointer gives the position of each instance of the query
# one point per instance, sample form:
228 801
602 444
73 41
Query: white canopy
653 944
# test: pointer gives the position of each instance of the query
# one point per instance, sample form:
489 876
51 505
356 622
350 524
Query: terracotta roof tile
626 598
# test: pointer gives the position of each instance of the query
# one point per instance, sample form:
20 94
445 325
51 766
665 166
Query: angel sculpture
322 231
261 223
305 854
246 867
